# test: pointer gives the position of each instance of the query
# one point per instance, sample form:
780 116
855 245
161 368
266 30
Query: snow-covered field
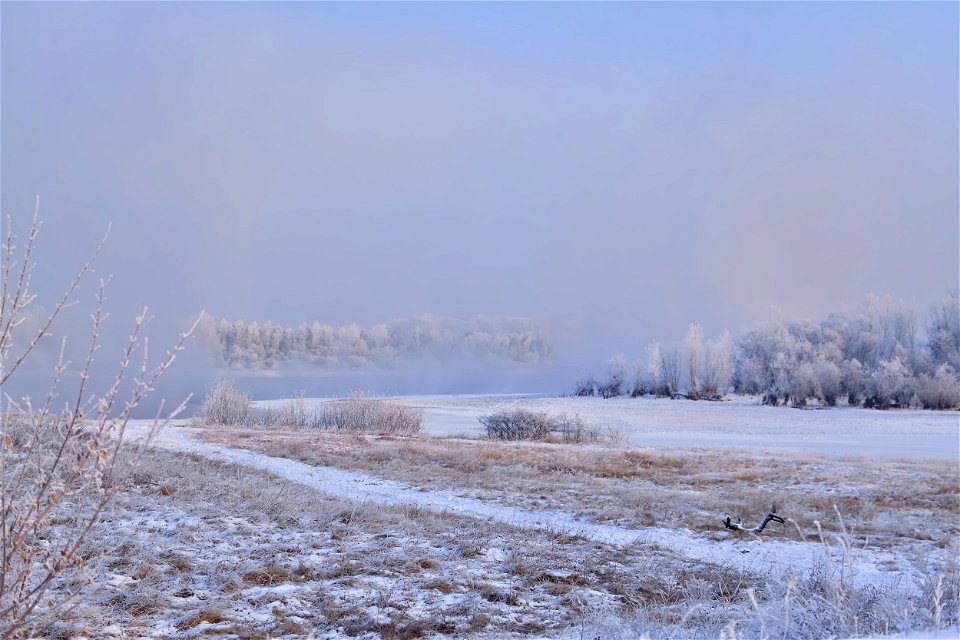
740 422
364 488
266 533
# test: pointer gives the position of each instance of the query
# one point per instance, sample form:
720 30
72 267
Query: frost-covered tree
717 369
892 382
695 361
751 376
854 382
940 390
656 370
826 382
639 386
671 372
943 332
249 346
616 377
876 358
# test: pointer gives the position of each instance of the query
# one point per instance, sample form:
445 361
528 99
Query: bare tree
63 466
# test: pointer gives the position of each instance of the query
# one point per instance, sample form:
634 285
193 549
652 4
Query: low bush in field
289 413
225 406
360 413
523 424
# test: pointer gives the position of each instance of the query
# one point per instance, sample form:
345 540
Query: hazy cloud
613 171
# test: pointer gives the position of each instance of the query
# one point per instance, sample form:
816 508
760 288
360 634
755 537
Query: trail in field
748 553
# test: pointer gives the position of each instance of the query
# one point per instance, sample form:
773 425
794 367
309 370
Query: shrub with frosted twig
59 469
523 424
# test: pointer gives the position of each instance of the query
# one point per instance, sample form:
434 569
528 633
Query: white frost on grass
753 554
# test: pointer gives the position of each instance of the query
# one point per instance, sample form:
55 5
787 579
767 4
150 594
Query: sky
612 171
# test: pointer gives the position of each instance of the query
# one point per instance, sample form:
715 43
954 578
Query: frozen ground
740 423
270 533
749 554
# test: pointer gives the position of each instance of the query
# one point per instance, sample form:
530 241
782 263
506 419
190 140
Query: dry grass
890 503
250 555
230 541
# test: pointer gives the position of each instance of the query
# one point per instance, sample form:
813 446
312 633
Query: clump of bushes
586 387
523 424
366 414
225 406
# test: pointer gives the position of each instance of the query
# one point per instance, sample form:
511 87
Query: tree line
883 357
252 346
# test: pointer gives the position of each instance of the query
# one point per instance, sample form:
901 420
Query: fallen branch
738 525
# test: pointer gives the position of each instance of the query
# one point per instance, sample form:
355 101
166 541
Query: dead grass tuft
210 616
494 593
179 562
269 575
141 606
426 563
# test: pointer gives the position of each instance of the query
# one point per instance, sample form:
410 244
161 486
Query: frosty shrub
516 424
368 415
939 391
523 424
59 469
224 405
289 413
586 387
616 377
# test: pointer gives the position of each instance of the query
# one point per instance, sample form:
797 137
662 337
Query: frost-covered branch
59 471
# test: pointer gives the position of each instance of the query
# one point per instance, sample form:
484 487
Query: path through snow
747 553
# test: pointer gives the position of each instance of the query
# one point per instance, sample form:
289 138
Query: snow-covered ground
740 422
227 531
505 578
754 554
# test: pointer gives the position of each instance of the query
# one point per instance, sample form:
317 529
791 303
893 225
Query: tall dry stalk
60 469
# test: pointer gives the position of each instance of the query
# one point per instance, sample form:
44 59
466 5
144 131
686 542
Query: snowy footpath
747 552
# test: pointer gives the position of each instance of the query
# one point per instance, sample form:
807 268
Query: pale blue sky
613 170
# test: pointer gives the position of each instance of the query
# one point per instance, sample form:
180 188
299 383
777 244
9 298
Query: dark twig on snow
738 525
